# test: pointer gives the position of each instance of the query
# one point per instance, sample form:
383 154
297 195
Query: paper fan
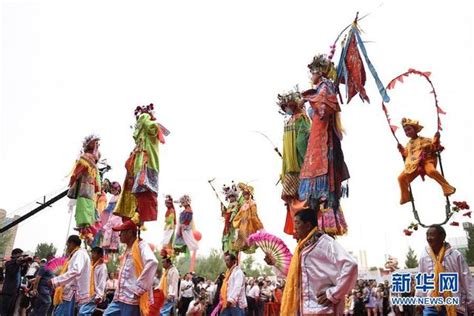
56 265
273 246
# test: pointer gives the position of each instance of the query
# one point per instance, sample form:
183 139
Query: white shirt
130 286
453 261
236 288
326 266
76 280
254 292
32 269
187 288
100 280
172 279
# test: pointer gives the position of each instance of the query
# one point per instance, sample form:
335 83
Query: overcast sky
213 70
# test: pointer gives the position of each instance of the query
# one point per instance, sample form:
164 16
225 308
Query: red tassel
440 110
454 224
468 214
393 128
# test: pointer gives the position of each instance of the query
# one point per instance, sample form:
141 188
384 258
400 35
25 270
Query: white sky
214 68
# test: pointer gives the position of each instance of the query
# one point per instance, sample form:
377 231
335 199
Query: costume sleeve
303 127
237 282
347 278
150 264
77 263
100 280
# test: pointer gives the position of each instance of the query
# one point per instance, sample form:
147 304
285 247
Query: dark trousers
41 305
8 304
252 307
184 304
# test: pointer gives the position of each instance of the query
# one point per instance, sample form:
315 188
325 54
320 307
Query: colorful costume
228 213
295 141
111 238
318 264
324 169
140 188
84 184
170 224
185 240
420 159
246 221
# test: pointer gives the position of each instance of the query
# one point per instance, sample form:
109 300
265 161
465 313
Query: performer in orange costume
420 159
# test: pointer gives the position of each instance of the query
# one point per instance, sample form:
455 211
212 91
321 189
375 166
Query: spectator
111 286
14 269
42 291
187 294
253 298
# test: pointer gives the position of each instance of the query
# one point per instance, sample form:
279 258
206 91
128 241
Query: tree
411 260
113 263
470 246
44 250
252 269
4 239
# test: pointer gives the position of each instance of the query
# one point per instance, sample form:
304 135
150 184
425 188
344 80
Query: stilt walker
140 189
295 141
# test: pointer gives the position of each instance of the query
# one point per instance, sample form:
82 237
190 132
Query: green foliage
4 239
470 247
411 260
206 266
113 264
251 269
373 269
44 250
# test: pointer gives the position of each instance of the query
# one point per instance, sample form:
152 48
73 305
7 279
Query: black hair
74 239
231 256
308 215
17 251
98 251
168 260
439 229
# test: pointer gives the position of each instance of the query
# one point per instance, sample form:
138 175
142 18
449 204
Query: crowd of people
322 279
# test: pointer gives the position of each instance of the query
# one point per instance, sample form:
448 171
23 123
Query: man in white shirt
99 277
72 286
187 294
321 271
233 289
134 290
33 268
440 257
169 285
253 297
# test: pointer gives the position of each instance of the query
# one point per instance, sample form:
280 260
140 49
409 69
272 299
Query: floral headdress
88 140
292 96
231 190
148 109
185 200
